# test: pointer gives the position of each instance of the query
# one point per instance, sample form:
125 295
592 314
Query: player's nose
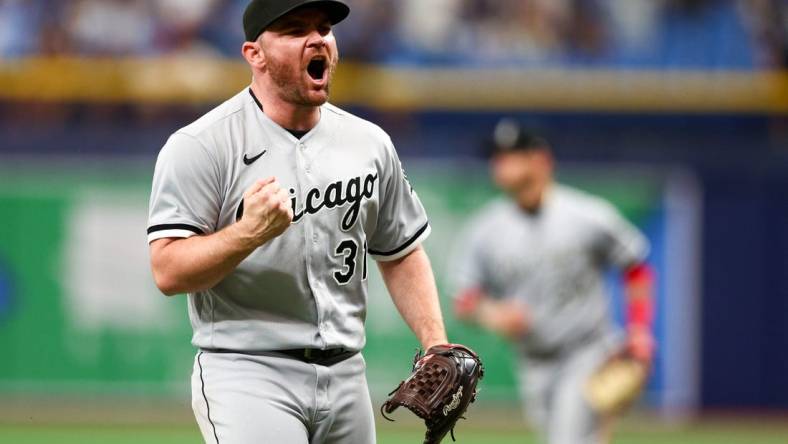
316 40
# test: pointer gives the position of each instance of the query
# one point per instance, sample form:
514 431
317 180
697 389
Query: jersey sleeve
619 242
402 222
185 198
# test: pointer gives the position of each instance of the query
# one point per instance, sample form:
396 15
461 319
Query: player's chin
317 95
312 98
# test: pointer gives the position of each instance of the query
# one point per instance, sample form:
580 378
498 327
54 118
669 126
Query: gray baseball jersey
553 260
306 288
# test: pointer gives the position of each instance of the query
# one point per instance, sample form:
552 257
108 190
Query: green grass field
124 420
712 432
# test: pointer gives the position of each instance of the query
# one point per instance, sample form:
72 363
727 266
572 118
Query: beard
291 85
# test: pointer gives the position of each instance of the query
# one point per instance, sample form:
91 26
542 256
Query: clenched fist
266 213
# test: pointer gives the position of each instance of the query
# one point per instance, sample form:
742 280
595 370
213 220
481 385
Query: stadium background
673 109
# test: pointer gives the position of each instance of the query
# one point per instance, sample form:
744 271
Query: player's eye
289 28
295 30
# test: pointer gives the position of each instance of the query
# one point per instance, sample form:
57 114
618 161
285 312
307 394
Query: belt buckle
307 353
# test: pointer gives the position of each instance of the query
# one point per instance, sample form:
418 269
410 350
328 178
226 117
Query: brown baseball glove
439 390
615 385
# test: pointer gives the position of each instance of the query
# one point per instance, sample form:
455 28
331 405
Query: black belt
320 357
325 358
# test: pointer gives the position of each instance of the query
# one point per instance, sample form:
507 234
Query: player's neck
532 200
286 114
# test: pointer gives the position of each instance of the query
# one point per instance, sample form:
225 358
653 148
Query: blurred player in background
531 268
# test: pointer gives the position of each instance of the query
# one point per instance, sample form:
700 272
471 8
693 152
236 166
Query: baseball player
531 269
264 211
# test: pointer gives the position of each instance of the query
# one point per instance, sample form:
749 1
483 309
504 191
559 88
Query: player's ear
547 159
254 54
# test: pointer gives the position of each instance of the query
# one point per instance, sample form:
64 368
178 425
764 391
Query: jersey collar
288 131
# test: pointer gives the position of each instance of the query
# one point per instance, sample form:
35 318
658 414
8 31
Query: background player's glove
439 390
615 385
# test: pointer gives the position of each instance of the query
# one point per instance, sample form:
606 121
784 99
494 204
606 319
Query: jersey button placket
307 162
311 226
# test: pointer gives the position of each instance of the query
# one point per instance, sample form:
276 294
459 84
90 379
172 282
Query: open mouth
317 68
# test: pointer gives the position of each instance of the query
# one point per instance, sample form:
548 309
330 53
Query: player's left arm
613 386
639 291
411 284
624 247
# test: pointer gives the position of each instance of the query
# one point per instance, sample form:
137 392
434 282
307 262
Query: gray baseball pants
552 390
271 399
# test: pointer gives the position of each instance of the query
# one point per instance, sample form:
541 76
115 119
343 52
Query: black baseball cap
510 135
260 14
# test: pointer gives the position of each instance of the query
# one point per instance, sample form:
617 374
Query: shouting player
264 211
532 270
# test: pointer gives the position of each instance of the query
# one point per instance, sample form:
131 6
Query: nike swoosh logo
250 160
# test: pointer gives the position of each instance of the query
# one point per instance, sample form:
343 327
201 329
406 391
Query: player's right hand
509 317
267 211
466 304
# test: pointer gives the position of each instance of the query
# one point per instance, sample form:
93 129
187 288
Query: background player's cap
260 14
509 135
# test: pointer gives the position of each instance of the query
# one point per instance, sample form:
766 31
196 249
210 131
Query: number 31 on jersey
348 251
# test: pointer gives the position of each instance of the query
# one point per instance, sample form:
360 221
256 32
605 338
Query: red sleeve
640 308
